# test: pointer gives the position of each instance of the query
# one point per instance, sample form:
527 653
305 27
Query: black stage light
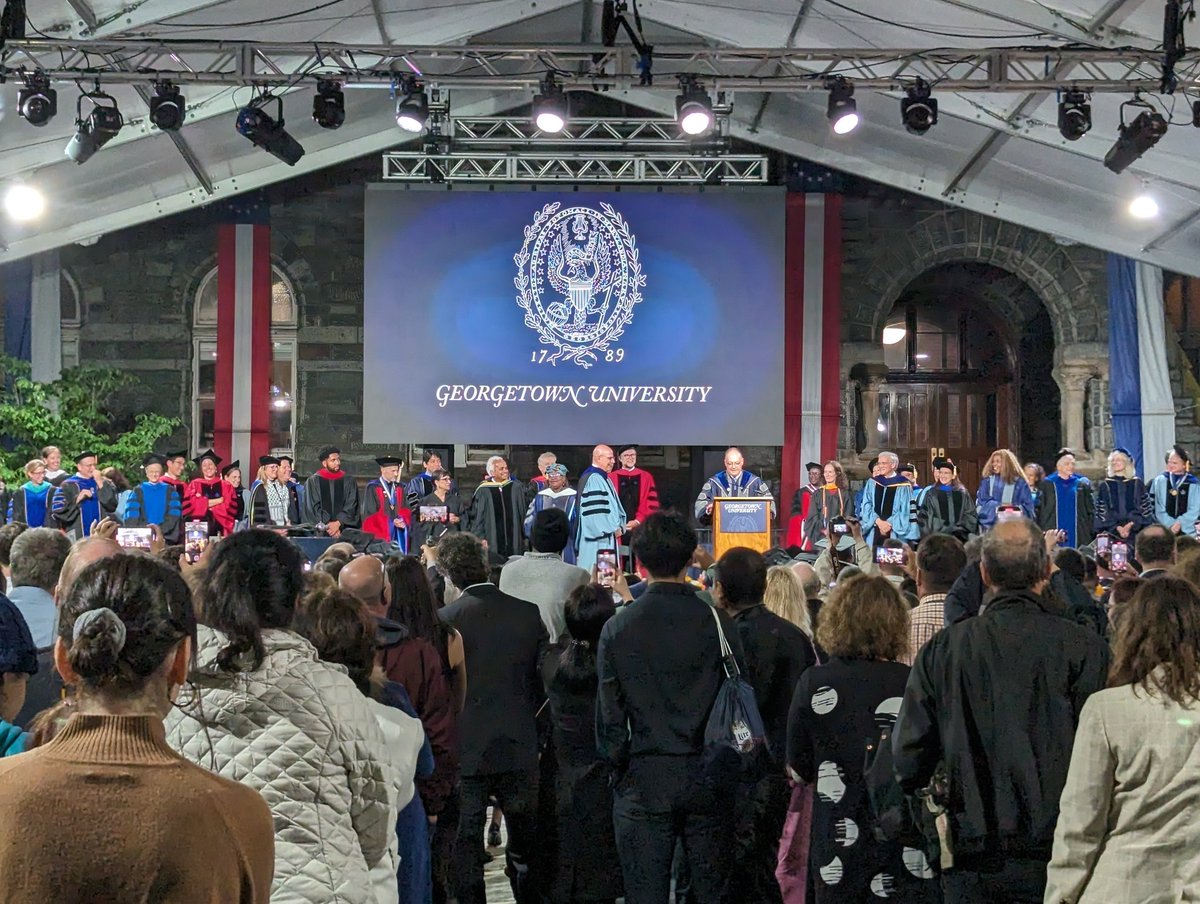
329 105
1196 113
1134 139
843 109
918 109
267 132
167 107
37 102
95 130
1074 115
550 107
412 106
693 108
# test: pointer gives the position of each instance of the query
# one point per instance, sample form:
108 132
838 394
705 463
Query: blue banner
567 317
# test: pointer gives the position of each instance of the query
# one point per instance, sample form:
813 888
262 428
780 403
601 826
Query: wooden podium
741 521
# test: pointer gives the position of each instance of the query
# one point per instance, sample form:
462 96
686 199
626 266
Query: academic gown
567 501
889 498
497 516
798 522
1182 505
829 502
76 516
159 503
30 504
601 515
1068 505
432 531
639 497
1121 501
948 510
421 486
747 485
180 487
383 503
994 492
219 517
260 506
331 496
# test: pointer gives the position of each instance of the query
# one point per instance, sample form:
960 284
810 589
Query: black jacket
1065 595
997 698
776 654
660 669
504 641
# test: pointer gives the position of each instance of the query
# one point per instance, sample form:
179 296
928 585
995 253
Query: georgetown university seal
578 279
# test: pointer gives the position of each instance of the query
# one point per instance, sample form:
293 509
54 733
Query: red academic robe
647 502
795 530
219 518
379 513
181 488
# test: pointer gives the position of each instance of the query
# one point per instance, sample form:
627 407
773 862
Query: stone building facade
137 294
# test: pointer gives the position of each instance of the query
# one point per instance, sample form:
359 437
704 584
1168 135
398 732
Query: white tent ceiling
997 153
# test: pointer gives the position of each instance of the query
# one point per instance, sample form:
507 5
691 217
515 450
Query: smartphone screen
841 527
1102 543
886 556
134 537
1120 557
195 539
606 567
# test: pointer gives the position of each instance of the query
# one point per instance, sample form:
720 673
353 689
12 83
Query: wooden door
920 421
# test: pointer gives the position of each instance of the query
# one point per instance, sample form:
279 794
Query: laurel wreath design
583 355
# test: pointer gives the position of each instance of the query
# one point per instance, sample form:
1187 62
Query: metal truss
595 67
411 166
520 131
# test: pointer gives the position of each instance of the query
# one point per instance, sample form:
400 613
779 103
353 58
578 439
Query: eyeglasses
440 479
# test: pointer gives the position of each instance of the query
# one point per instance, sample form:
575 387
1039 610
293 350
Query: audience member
106 811
580 844
412 662
660 668
940 560
269 712
1017 671
18 660
1155 550
1120 594
1127 826
504 640
37 557
1184 543
343 631
542 577
776 653
864 626
8 535
785 596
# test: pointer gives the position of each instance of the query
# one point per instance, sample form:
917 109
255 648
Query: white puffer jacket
298 731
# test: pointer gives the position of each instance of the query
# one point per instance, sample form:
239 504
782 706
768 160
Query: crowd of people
928 697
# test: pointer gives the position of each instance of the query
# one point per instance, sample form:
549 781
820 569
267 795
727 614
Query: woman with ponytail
269 713
581 849
107 811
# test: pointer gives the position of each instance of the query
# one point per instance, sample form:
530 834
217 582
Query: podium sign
741 522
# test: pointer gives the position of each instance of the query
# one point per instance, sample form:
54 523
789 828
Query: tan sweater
108 812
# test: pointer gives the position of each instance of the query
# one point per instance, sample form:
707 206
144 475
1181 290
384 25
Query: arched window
283 361
70 318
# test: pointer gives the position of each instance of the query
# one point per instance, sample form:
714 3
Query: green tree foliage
71 413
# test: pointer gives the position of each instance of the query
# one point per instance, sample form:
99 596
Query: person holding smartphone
830 504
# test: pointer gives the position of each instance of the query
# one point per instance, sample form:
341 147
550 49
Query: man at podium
733 481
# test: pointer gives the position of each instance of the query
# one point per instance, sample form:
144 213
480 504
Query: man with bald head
997 699
735 480
602 518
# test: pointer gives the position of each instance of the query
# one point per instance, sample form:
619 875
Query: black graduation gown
328 500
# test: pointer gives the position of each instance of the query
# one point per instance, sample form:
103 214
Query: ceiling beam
797 24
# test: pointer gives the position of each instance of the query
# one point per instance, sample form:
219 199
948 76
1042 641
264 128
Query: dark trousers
760 811
516 794
656 803
441 848
995 881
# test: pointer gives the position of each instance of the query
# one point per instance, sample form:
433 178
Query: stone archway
900 241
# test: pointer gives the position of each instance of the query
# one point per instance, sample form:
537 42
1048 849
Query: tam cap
388 461
1181 452
82 455
628 447
939 463
325 451
153 458
264 460
210 455
813 464
232 466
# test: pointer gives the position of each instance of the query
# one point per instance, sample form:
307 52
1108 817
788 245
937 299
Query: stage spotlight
167 107
1135 138
550 107
24 203
96 130
693 108
37 102
329 105
412 107
1143 207
267 132
1074 115
918 109
843 110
